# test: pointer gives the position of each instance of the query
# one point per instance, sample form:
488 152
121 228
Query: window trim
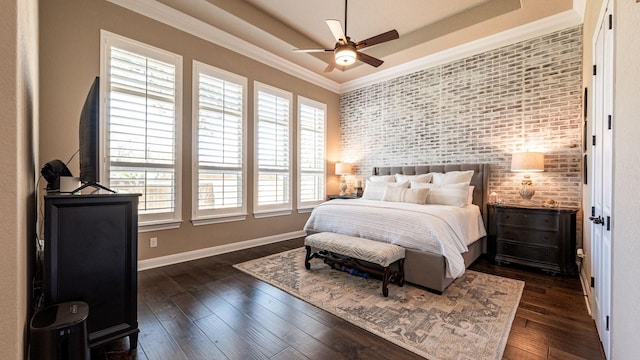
261 211
205 217
146 222
307 206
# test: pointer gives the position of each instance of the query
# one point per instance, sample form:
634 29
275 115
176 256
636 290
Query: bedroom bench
361 254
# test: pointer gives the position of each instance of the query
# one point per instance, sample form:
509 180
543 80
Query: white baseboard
586 290
215 250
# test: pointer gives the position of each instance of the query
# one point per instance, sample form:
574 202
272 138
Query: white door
601 178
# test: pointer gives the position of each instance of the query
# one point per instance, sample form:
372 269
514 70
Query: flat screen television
89 139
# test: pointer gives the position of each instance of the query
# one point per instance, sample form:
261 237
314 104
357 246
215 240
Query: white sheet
440 229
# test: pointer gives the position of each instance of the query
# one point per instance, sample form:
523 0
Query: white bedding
440 229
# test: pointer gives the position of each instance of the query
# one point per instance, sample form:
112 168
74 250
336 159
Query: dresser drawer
527 236
530 253
528 219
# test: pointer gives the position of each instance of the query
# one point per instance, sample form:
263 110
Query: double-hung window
142 128
311 149
219 174
272 174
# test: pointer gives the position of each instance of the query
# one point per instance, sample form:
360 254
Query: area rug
470 320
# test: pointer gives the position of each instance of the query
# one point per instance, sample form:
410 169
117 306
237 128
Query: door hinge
593 211
610 21
593 282
593 140
595 72
608 223
607 322
609 122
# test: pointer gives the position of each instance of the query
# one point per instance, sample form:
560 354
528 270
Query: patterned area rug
470 320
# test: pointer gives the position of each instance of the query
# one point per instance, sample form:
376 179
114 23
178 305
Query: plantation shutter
142 129
273 149
220 153
311 124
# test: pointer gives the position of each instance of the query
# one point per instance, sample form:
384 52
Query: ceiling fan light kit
346 52
345 55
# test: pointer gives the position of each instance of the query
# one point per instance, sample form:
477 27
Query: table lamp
343 169
527 162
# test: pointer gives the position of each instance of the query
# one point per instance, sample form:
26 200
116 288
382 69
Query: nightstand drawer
528 219
527 236
528 253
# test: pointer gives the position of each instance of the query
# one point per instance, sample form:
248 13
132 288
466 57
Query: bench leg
400 275
385 281
307 265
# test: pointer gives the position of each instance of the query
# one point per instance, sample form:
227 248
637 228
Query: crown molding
508 37
174 18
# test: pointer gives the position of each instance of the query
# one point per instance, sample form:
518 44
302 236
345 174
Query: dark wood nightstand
350 196
534 236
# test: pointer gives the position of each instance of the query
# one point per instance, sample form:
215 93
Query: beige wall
625 315
70 58
18 100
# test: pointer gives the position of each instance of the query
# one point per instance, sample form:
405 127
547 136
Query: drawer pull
546 236
506 216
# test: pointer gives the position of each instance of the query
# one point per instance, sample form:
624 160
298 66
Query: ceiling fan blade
330 67
369 59
374 40
312 50
336 30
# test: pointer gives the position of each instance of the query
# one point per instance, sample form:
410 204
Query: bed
424 267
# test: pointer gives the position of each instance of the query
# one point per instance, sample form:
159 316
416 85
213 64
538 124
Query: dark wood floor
205 309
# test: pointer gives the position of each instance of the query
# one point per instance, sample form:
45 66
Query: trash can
59 332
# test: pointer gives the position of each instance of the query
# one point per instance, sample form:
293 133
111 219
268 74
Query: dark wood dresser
534 236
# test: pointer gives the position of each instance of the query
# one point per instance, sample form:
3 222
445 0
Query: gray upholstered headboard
480 179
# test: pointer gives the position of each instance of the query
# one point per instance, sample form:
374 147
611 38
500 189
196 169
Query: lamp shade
345 55
343 168
527 162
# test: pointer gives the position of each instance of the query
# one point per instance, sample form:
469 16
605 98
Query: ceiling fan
346 51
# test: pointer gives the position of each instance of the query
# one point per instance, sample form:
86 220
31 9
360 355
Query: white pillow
400 194
382 178
470 198
447 194
452 177
375 190
422 178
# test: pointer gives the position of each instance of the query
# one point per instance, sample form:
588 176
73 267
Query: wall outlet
153 242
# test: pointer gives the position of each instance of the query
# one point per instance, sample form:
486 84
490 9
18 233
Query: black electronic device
89 139
52 171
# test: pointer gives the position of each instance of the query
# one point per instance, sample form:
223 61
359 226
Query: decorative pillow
470 198
400 194
452 177
382 178
375 190
422 178
447 194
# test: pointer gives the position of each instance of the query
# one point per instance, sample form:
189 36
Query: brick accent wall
525 96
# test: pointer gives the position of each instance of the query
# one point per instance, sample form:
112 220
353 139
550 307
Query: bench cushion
372 251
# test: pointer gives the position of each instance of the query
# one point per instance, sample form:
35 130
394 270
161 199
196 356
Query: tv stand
94 185
91 254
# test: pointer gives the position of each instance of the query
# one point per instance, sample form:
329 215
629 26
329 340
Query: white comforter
440 229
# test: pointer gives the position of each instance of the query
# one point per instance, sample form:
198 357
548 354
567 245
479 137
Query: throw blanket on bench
440 229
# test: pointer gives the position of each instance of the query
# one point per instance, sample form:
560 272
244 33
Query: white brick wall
479 109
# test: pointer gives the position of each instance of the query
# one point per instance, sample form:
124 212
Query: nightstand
350 196
534 236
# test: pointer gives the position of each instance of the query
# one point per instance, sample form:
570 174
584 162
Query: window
272 151
220 171
311 149
142 129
